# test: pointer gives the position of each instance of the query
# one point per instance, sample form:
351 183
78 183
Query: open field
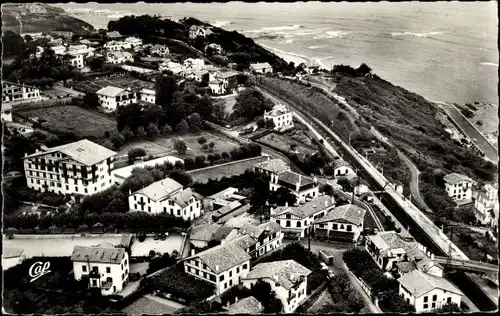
194 148
149 146
224 170
285 141
74 119
93 86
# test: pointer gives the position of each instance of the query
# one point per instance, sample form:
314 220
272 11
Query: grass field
194 148
95 85
225 170
74 119
285 141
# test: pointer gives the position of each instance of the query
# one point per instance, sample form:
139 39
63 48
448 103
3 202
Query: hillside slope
39 17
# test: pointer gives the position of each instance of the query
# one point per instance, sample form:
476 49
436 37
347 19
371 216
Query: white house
400 252
160 50
427 292
121 174
59 49
81 168
216 87
105 266
297 220
224 197
77 60
174 67
115 46
260 239
196 31
148 95
134 41
272 166
139 69
343 222
224 266
281 116
167 196
288 279
342 168
458 186
110 98
16 92
194 63
261 68
119 57
6 112
11 257
302 187
486 205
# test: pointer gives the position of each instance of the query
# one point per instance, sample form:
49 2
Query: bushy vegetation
386 289
159 262
295 251
260 290
344 296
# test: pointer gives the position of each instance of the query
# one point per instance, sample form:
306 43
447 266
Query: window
448 300
299 224
288 224
84 268
434 297
237 269
108 270
244 266
335 226
426 306
225 286
230 273
94 282
278 221
426 299
230 282
349 228
433 305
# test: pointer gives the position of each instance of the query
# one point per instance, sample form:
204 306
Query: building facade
281 116
119 57
486 205
79 168
110 98
341 223
303 187
6 112
15 92
458 186
105 267
261 239
196 31
262 68
148 95
167 196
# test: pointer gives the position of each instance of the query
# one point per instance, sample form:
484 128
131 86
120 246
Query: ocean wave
311 32
220 23
489 64
422 35
331 34
286 55
116 16
314 47
275 29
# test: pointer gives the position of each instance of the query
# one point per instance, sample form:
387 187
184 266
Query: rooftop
248 305
227 208
308 208
284 272
277 166
110 91
160 189
456 178
278 110
293 178
349 213
260 65
224 193
103 253
83 151
337 163
223 257
113 34
255 231
420 283
11 252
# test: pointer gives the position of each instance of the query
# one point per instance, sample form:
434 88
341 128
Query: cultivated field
194 148
285 142
74 119
224 170
95 85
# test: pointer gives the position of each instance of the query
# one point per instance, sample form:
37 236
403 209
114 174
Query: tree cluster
250 103
344 296
260 290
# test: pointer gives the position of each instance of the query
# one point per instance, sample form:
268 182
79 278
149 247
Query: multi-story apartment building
78 168
167 196
110 98
260 239
303 187
296 220
400 252
281 116
486 205
272 166
427 292
224 266
287 278
105 266
15 92
458 186
343 222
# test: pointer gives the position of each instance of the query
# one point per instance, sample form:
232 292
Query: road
471 131
414 187
337 249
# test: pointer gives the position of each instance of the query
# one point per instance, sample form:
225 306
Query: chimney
315 180
193 252
227 304
286 204
216 268
236 299
432 256
297 185
260 305
326 203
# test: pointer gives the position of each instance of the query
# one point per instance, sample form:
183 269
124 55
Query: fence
45 103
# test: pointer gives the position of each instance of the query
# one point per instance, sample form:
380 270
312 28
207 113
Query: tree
166 130
117 139
195 121
327 189
225 155
153 130
202 140
127 133
140 132
165 87
363 69
211 145
251 103
134 153
90 101
283 196
180 146
182 127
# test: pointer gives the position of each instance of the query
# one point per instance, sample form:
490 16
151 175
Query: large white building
427 292
119 57
148 95
261 68
80 168
110 98
15 93
281 116
287 278
196 31
297 220
105 266
167 196
224 266
400 252
343 222
486 205
303 187
134 41
458 186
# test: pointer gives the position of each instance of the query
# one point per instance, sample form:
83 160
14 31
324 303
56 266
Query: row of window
336 226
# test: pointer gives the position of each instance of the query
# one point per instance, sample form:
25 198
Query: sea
444 51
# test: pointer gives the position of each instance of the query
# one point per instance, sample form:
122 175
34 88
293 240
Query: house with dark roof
264 238
428 292
200 236
78 168
167 196
248 305
341 223
388 249
224 265
287 278
104 266
303 187
296 220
